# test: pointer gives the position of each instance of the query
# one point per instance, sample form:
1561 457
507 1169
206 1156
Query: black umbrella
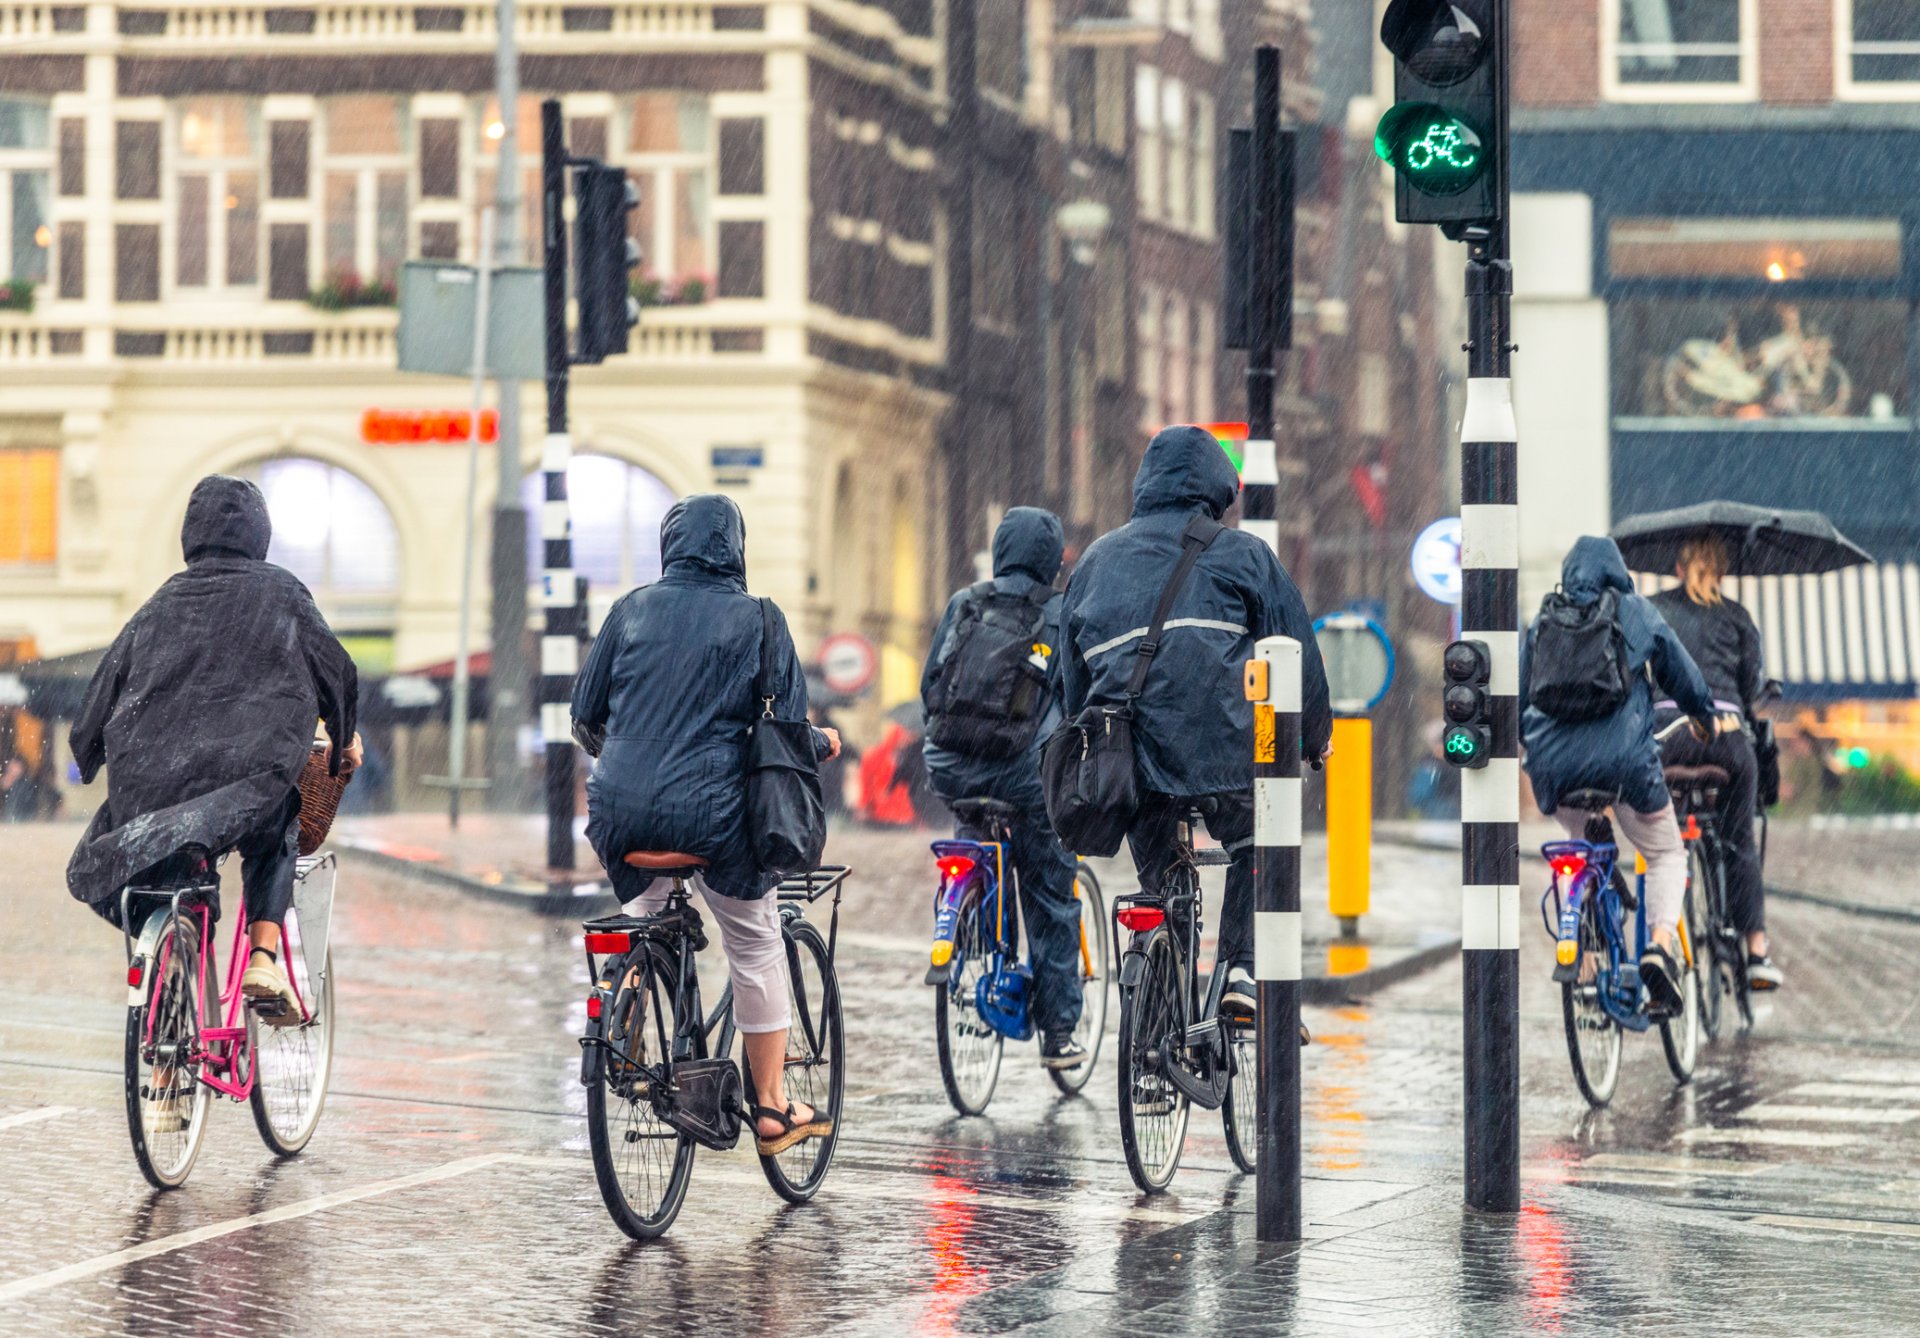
1759 541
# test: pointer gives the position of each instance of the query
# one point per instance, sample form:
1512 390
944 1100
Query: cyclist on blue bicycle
992 695
1586 693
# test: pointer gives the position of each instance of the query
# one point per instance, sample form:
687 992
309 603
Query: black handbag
786 816
1766 756
1087 765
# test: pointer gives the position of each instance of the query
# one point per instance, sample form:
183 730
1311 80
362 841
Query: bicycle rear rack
806 888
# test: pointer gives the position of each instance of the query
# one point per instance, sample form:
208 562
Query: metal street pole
559 642
1270 294
456 778
508 678
1273 685
1490 796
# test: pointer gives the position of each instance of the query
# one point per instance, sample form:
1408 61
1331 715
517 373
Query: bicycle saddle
972 811
1688 777
663 859
1590 801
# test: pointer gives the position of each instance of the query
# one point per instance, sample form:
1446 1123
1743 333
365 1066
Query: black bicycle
1721 947
660 1074
1176 1050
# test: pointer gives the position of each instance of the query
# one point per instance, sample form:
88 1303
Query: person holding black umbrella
1721 637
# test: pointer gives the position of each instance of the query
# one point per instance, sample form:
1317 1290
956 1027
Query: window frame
1846 88
1744 89
366 169
219 171
655 171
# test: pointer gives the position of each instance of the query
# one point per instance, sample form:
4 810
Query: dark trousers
1733 753
268 855
1231 824
1052 916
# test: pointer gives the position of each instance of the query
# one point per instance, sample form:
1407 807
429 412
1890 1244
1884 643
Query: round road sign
1436 560
848 663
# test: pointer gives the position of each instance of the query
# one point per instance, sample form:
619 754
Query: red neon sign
407 427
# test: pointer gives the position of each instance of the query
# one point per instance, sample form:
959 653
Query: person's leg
1232 826
1052 914
269 856
1656 836
1746 897
1150 839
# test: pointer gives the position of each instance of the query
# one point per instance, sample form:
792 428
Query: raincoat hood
706 530
1594 565
228 514
1031 542
1184 469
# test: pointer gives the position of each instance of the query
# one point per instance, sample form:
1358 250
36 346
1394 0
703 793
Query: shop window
1676 43
1776 250
29 506
332 531
1885 41
616 510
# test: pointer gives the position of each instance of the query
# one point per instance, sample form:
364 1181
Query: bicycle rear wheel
291 1065
641 1162
1240 1112
1153 1112
167 1106
1703 932
1593 1037
1096 971
816 1062
1680 1034
970 1049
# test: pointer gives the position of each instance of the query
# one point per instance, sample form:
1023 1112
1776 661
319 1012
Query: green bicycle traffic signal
1468 739
1443 136
1438 152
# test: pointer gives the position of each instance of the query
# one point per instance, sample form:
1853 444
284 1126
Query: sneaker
266 985
1061 1051
1242 995
1661 976
1762 974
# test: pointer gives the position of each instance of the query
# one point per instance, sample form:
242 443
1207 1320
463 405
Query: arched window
617 509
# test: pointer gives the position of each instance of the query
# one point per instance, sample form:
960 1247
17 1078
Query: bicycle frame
1620 991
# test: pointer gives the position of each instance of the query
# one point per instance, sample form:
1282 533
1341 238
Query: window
1177 340
30 237
1206 336
1175 174
216 209
136 160
439 159
1885 36
1777 250
136 270
287 161
287 279
1147 360
332 531
29 506
1676 49
1147 155
73 157
743 259
73 260
669 151
616 509
1174 134
363 173
1204 189
996 269
743 157
440 241
23 124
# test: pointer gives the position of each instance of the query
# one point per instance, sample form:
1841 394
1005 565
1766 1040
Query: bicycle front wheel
291 1065
970 1049
1096 974
1703 933
1593 1037
1240 1112
1153 1112
816 1062
641 1162
167 1105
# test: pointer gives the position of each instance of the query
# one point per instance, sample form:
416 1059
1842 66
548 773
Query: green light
1463 743
1437 152
1857 758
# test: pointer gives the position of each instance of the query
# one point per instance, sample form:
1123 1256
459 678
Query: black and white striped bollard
1273 685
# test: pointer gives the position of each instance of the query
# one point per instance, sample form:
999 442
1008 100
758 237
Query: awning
1851 633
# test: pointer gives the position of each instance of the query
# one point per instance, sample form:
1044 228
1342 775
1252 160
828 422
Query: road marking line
1865 1226
1630 1161
1903 1074
1789 1138
33 1116
1855 1091
181 1240
1769 1110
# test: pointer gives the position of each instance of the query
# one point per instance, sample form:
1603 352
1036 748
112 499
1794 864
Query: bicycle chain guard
705 1102
1003 999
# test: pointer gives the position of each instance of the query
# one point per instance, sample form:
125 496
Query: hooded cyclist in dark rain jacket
1193 726
1027 549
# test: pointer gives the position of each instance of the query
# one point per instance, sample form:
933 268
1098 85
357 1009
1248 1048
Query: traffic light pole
559 599
1260 472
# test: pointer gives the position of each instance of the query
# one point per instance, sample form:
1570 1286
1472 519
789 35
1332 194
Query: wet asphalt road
448 1190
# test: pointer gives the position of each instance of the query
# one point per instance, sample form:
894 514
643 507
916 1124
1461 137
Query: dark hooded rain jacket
203 709
1027 549
1616 750
1193 730
670 681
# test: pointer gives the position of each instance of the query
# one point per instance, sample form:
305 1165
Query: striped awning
1851 633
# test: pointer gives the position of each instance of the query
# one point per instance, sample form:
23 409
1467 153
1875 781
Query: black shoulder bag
1087 765
786 818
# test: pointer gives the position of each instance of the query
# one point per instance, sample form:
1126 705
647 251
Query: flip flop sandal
791 1134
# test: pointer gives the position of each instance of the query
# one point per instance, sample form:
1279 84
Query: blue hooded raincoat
670 679
1193 727
1615 750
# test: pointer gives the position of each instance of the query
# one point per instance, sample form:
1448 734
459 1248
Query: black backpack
1578 669
989 695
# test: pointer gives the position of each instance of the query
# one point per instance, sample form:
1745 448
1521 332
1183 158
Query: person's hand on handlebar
1703 728
833 742
351 759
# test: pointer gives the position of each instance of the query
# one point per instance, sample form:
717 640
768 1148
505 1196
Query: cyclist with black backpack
1587 672
992 694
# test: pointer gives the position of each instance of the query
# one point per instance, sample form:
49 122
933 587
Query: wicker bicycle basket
319 799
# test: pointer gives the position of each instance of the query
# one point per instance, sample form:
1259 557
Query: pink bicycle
177 1058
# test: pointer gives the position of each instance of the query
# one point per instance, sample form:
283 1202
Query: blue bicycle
1598 966
983 991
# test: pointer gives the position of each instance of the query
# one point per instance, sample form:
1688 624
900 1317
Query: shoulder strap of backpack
763 680
1199 536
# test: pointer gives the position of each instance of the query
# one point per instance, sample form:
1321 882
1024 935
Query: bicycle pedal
1202 1033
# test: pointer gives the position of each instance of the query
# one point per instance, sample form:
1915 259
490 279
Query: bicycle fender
1133 965
593 1055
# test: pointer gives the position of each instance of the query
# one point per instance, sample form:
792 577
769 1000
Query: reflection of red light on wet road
950 1217
1543 1249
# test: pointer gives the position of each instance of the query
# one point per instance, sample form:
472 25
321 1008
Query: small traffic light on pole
1469 736
1445 135
604 255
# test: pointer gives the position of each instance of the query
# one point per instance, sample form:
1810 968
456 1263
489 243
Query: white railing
26 21
359 24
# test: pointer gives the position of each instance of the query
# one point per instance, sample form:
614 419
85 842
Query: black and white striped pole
559 599
1490 788
1268 243
1273 685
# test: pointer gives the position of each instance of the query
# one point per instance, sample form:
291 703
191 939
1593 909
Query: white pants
1657 837
756 953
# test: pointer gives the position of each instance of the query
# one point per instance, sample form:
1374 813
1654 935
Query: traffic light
1469 736
603 256
1445 134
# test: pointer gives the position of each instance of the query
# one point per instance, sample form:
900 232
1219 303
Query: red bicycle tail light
955 867
1568 866
1140 919
134 973
609 943
595 1006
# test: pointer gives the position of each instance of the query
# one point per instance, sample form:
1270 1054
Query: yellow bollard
1350 822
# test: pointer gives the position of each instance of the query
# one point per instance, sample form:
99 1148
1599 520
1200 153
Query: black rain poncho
203 709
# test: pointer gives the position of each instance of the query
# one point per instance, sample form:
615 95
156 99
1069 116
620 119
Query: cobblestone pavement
449 1191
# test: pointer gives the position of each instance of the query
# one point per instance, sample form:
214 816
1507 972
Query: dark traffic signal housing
1444 134
604 256
1469 734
